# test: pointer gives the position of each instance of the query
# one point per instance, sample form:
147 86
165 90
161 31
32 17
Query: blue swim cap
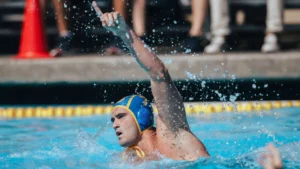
140 108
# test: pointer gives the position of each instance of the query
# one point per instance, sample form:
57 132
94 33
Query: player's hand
112 21
272 159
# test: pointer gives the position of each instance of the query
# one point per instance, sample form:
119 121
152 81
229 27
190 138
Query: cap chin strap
139 152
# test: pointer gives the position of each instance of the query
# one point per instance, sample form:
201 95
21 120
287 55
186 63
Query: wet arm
167 98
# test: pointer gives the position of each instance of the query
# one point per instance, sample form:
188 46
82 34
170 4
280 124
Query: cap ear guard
145 118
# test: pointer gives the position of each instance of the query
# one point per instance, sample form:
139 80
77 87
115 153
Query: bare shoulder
174 138
182 145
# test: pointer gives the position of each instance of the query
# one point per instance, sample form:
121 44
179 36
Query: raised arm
167 98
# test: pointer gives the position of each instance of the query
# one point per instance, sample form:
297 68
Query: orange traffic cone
33 43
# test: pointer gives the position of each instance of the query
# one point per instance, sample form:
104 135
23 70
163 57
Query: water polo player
132 116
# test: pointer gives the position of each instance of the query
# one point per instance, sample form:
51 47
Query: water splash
203 84
167 61
190 75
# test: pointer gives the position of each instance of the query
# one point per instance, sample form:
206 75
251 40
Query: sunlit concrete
99 68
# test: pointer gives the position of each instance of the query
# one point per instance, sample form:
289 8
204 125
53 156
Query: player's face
125 127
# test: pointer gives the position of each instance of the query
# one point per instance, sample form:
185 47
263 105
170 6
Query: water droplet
190 75
168 61
203 84
188 51
127 35
232 98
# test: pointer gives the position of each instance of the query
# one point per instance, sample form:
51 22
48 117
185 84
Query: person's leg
139 17
119 5
219 17
274 16
64 40
43 11
116 47
274 25
61 17
199 9
219 26
43 7
195 42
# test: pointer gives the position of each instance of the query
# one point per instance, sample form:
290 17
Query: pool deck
100 68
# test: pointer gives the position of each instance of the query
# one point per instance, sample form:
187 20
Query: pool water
234 140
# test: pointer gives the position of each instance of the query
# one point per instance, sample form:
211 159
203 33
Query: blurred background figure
138 21
220 26
196 41
274 25
64 38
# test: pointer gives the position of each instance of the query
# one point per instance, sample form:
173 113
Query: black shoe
63 46
194 44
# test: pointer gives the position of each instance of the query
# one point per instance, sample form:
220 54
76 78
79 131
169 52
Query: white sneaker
270 44
216 45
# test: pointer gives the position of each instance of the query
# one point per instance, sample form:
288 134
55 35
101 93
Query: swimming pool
234 140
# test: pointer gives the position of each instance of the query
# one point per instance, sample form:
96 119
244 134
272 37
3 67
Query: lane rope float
190 108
